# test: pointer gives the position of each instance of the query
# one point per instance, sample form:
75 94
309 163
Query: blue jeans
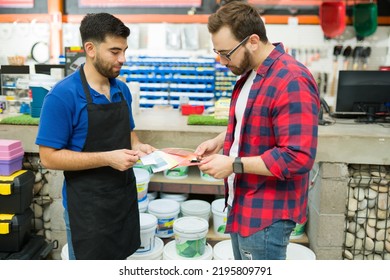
69 236
267 244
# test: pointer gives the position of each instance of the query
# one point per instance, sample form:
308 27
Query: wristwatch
238 166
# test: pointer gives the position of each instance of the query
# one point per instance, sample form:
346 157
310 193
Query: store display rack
224 81
167 80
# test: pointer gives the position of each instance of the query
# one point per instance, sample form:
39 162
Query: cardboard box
16 192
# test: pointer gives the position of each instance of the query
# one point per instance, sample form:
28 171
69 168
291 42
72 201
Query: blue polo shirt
63 122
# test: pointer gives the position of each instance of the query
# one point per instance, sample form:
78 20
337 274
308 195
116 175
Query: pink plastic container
7 145
11 156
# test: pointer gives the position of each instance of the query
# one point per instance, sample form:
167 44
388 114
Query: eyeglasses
229 54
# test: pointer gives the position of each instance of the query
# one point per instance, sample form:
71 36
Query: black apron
102 202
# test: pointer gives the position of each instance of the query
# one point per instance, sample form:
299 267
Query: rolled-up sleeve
295 127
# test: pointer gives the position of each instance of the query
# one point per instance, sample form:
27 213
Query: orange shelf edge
171 18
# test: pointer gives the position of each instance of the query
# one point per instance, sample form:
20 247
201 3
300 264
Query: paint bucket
166 211
143 205
152 195
144 167
197 208
65 253
208 177
219 216
170 253
148 225
190 236
155 254
142 177
223 250
299 252
298 231
179 172
179 197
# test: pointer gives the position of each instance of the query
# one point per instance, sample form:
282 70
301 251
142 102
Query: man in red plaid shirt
270 143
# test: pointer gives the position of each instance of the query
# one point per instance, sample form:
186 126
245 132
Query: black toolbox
37 248
15 230
16 192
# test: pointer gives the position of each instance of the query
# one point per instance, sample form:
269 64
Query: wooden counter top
344 141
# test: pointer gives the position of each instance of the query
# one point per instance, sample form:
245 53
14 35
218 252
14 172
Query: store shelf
212 238
164 80
191 184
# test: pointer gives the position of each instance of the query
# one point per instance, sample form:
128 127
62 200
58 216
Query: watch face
238 167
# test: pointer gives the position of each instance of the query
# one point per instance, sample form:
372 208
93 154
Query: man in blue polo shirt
86 129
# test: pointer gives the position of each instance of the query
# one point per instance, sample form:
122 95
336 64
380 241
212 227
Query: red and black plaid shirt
280 124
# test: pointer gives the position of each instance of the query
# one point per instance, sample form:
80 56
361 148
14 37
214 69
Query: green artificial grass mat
20 120
205 120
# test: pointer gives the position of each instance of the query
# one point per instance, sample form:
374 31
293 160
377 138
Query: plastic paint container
179 172
143 205
155 254
219 216
299 252
196 207
208 178
179 197
65 253
144 167
190 236
166 211
148 225
223 250
169 253
142 178
298 231
152 195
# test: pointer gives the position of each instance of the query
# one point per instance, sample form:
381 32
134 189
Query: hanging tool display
366 52
356 54
336 52
346 54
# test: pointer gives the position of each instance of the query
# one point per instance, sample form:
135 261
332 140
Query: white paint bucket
179 172
142 177
152 195
143 205
219 217
170 253
190 236
179 197
166 211
65 252
155 254
298 231
299 252
197 208
209 178
223 250
148 225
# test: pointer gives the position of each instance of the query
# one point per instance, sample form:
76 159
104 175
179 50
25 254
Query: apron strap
85 85
86 88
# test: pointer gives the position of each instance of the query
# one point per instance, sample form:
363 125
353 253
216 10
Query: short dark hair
242 19
95 27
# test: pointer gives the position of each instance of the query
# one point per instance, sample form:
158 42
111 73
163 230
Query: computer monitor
363 94
46 68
